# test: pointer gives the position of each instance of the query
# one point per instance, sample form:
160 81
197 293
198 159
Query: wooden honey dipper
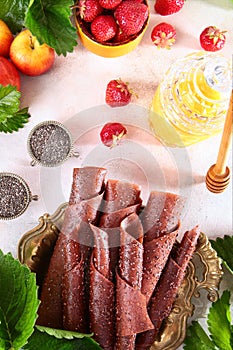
218 175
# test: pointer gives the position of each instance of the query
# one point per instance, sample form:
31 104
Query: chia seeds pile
14 197
50 144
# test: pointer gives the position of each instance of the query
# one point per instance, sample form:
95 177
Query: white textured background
78 82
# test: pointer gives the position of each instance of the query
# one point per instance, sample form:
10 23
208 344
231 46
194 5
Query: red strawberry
88 9
168 7
117 93
112 133
120 36
163 35
109 4
212 39
104 28
131 16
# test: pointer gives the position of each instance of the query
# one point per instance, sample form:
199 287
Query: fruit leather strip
101 251
101 308
167 288
82 214
73 291
76 277
156 253
50 309
86 211
120 200
131 251
132 316
119 195
87 183
160 214
112 220
84 204
76 280
111 223
129 269
101 299
187 246
161 303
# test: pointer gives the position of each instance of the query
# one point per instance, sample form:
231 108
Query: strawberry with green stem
163 35
112 133
212 39
118 93
88 10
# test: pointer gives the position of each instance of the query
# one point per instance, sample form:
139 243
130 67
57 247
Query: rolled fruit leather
131 305
165 293
121 199
102 289
160 220
85 199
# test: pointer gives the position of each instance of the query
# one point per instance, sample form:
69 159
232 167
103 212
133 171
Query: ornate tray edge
43 236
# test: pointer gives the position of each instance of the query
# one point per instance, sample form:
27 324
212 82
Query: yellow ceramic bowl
109 49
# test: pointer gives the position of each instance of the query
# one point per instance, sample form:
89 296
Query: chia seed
14 196
50 144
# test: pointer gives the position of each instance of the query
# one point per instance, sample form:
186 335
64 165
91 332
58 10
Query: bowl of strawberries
111 28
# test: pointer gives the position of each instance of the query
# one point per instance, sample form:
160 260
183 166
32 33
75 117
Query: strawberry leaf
219 322
231 336
224 249
11 117
219 327
49 21
18 303
39 340
197 339
60 333
13 13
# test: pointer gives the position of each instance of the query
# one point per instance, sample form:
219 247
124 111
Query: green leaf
197 339
13 13
60 333
49 21
224 249
219 322
11 117
219 327
18 303
232 336
39 340
9 100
